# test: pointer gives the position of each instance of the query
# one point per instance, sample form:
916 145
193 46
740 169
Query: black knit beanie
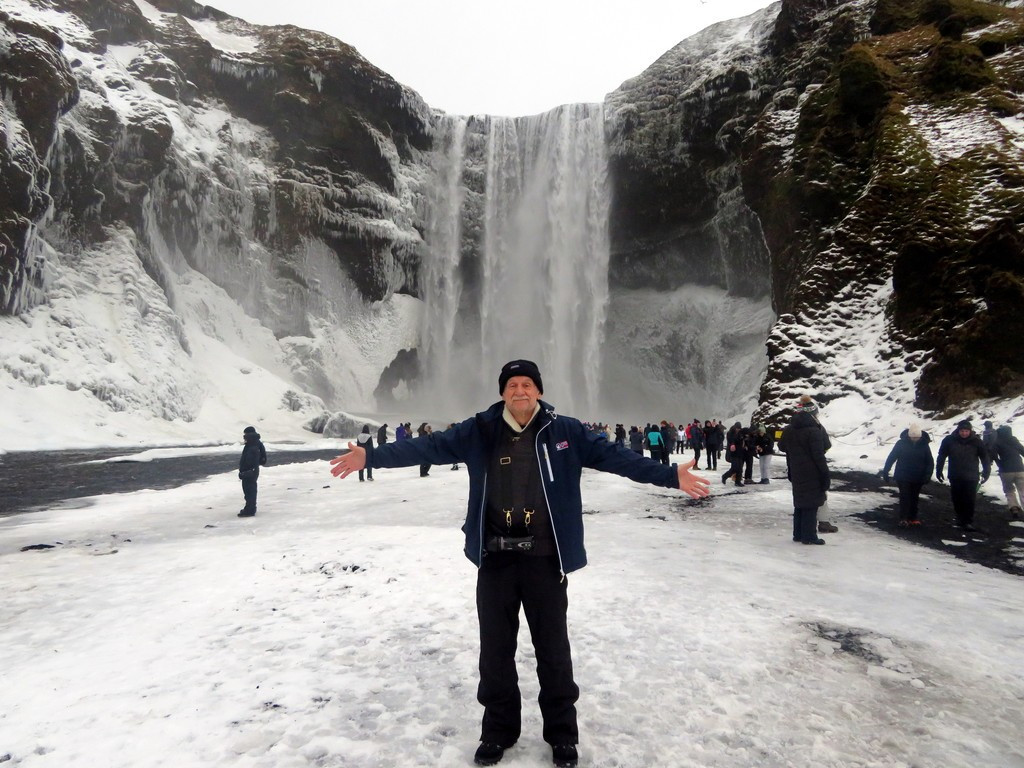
520 368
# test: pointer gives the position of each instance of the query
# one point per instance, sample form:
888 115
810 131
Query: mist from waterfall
534 282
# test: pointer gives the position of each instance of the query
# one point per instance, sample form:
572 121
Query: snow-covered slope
189 276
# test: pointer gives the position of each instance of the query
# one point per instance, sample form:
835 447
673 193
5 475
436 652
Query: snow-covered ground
337 628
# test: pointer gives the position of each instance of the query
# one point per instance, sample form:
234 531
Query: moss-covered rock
957 66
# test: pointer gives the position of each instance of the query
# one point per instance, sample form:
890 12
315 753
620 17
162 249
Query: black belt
508 543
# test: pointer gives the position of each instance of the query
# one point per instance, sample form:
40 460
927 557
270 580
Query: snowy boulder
340 425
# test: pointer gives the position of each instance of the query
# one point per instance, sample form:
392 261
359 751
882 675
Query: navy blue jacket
1009 454
914 462
563 447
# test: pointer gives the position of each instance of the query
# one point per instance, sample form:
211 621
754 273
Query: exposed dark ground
992 546
34 480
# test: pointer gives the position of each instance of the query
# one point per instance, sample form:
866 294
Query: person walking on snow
734 454
365 440
254 455
912 456
524 533
1009 457
965 452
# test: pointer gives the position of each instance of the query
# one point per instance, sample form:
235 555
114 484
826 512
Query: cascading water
540 287
441 282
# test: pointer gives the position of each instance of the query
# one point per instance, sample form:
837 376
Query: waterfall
540 281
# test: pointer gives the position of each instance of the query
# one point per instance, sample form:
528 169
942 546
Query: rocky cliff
887 175
204 158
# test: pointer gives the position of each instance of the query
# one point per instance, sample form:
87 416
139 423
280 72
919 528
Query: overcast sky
509 58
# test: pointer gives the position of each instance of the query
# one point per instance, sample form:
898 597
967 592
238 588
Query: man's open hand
353 461
691 484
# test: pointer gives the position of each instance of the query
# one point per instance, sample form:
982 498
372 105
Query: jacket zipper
547 501
483 516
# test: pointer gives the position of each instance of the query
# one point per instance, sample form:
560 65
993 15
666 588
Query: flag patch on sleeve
562 445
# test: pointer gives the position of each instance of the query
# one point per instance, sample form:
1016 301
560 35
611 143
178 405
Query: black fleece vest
514 483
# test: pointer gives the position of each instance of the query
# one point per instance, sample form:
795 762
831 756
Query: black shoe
489 753
247 513
971 528
765 481
814 541
564 755
824 526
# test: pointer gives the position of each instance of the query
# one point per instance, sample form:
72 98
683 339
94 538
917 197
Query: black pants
748 467
249 492
712 459
505 582
425 469
696 454
735 469
805 523
963 494
910 493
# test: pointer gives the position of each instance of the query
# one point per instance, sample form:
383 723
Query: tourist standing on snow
713 444
524 532
764 447
422 431
965 452
636 440
803 441
655 444
1009 456
668 440
912 456
365 441
254 455
734 454
382 434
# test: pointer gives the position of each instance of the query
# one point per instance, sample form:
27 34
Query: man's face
521 396
965 432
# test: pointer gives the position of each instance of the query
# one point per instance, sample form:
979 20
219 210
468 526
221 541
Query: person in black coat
668 441
735 454
697 440
423 430
1009 457
803 442
912 456
254 455
365 441
965 452
636 440
382 434
713 444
